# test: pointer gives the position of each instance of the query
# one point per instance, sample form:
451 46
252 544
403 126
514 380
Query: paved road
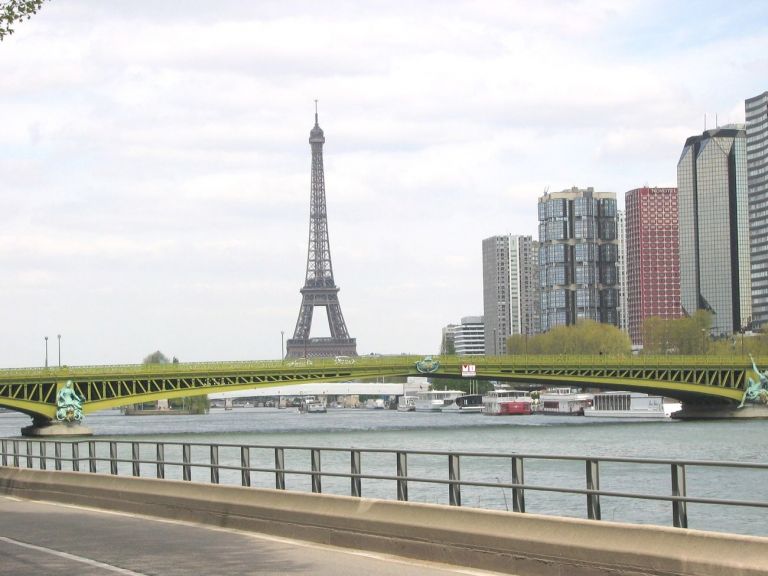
46 539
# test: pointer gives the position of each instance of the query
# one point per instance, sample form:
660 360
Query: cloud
156 165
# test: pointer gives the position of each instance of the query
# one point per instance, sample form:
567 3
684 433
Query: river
741 441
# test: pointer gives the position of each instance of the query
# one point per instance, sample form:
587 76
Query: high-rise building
469 337
714 227
510 289
757 180
653 267
578 252
621 264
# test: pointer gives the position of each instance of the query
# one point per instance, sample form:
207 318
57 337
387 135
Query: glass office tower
714 228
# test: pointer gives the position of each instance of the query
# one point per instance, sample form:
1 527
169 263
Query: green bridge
701 383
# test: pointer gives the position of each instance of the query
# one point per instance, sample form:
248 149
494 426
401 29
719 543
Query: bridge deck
33 390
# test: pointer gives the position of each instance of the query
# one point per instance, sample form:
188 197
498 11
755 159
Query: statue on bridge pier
756 392
69 404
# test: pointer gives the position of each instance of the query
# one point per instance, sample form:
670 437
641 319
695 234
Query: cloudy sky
155 169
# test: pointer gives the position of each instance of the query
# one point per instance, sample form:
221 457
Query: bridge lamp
46 351
59 337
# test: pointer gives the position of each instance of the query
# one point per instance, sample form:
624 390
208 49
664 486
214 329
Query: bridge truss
690 379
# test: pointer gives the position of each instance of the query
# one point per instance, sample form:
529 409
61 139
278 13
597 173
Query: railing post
245 465
16 453
75 456
679 508
214 464
279 468
518 477
402 476
30 463
43 455
160 465
186 460
57 455
4 444
92 456
135 459
355 480
593 483
317 484
454 477
113 458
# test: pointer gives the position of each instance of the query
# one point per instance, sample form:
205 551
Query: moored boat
630 405
565 401
506 402
435 400
465 404
406 404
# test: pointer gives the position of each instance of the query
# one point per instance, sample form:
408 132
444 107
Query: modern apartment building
578 255
621 264
510 289
653 267
714 228
757 180
469 337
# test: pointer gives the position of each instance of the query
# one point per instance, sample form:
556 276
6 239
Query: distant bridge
691 379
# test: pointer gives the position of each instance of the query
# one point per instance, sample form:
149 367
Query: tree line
690 335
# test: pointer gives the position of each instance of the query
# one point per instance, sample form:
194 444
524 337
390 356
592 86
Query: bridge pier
43 427
720 411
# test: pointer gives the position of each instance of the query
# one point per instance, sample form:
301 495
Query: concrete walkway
43 538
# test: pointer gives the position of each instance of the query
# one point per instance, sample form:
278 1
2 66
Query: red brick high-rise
653 265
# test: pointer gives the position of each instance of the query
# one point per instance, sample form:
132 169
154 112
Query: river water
741 441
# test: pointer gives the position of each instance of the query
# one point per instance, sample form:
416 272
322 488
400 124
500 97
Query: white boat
434 400
312 406
503 401
567 401
377 404
630 405
465 404
406 404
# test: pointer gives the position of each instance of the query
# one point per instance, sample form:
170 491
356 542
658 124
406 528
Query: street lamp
282 344
59 337
46 351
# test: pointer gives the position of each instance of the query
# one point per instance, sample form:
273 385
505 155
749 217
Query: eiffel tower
319 290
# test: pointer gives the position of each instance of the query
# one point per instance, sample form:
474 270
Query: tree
688 335
195 404
585 337
156 357
13 11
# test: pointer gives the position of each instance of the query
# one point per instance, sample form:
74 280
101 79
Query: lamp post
59 337
282 345
46 351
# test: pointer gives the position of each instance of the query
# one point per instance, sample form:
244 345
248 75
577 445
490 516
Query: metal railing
284 467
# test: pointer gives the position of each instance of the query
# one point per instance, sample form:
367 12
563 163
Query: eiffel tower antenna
319 289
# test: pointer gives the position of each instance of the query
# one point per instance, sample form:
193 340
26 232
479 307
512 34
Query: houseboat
506 402
567 401
435 400
630 405
465 404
